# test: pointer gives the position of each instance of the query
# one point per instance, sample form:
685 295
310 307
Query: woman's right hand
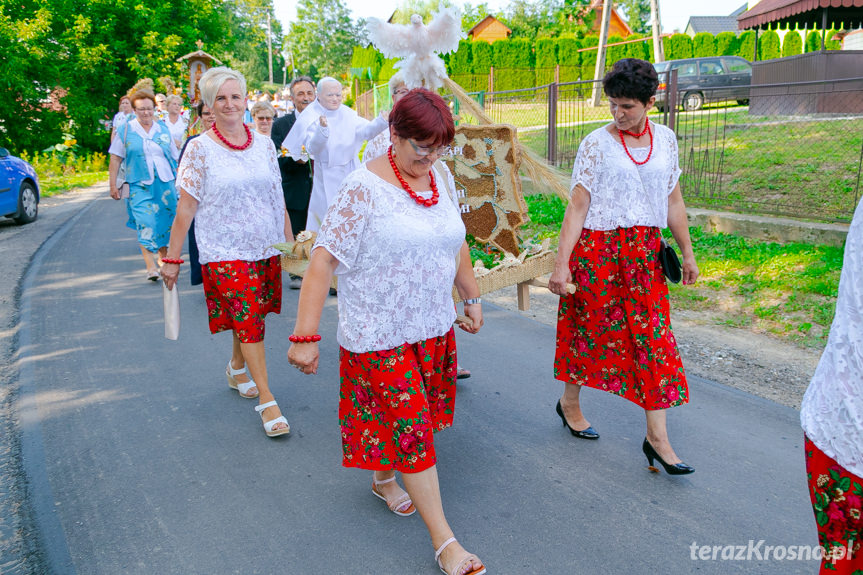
170 273
115 192
560 277
304 356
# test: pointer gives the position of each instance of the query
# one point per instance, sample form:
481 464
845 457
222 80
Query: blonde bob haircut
398 79
174 98
212 80
262 106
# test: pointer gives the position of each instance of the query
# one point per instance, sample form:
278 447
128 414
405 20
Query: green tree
425 8
530 19
704 44
472 15
813 41
746 45
323 36
726 44
792 44
768 45
482 55
637 14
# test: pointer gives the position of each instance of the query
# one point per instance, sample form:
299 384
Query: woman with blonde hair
229 183
175 120
263 114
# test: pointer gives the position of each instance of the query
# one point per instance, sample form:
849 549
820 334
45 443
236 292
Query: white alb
241 209
623 194
832 409
397 261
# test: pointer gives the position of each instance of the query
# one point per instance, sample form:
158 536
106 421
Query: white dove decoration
418 45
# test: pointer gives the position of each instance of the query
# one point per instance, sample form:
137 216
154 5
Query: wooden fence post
552 123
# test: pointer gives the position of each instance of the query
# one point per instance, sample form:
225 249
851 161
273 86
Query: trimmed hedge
830 42
768 45
746 45
483 56
588 58
704 44
726 44
679 46
514 58
546 53
792 44
637 49
460 60
813 41
569 59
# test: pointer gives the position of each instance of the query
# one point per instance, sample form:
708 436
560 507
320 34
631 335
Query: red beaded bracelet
177 261
304 338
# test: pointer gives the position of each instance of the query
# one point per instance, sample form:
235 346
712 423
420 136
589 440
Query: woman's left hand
690 271
474 312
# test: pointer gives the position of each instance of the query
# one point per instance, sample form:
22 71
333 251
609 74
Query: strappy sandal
457 569
242 388
398 503
269 425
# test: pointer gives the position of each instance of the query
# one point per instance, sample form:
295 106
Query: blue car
19 189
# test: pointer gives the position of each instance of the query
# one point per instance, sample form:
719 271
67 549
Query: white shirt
178 129
832 409
396 261
241 209
622 194
153 154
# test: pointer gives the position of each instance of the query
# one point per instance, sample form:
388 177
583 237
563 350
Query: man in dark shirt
296 175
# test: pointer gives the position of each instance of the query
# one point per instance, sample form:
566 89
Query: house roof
808 13
484 21
597 6
715 24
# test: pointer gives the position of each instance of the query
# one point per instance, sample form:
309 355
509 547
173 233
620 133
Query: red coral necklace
625 149
229 144
421 201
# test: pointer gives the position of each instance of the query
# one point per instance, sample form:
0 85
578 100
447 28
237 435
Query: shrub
813 41
830 43
365 62
726 44
483 56
614 53
546 53
637 49
792 44
588 57
704 44
513 64
569 59
460 61
679 46
746 45
768 45
387 70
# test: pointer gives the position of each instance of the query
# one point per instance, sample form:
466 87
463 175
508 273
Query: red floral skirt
837 495
614 333
240 294
391 403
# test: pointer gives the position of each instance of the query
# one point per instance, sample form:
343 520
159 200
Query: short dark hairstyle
199 108
299 79
631 78
423 115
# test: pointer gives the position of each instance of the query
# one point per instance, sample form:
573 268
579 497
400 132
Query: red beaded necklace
229 144
634 135
625 149
421 201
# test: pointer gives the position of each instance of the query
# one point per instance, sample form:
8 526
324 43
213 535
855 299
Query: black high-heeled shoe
589 433
676 469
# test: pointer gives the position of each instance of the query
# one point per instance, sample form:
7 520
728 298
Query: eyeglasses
264 118
401 92
424 151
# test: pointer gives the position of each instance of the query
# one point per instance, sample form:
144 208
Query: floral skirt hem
837 499
392 402
614 333
240 294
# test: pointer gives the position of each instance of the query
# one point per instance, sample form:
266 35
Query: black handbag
670 262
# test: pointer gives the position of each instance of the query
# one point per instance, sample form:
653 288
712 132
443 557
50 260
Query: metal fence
795 150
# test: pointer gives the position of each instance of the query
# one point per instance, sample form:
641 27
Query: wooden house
489 29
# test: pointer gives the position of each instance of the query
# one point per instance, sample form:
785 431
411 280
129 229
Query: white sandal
242 388
457 569
269 425
398 503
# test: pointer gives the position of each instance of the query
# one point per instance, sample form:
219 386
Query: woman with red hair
395 238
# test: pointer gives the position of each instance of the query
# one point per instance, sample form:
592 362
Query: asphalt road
140 459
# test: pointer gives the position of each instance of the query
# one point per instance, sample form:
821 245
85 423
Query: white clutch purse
171 300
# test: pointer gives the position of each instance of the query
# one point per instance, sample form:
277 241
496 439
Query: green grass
60 184
787 290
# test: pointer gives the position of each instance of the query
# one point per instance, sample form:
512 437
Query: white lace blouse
377 146
618 198
241 209
832 409
396 261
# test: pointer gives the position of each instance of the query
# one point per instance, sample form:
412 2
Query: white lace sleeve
674 170
192 171
376 147
588 162
341 231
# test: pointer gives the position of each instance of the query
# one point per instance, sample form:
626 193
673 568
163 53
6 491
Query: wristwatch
472 300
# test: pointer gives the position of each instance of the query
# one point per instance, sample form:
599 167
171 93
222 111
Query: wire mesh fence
796 149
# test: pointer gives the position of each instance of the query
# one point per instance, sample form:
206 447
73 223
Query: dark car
19 189
710 79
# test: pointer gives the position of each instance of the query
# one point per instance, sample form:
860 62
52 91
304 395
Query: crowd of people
243 176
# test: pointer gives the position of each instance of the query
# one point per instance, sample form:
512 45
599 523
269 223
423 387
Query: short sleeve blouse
623 194
241 208
396 261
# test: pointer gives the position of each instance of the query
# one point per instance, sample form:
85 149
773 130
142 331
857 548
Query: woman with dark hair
395 238
614 333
